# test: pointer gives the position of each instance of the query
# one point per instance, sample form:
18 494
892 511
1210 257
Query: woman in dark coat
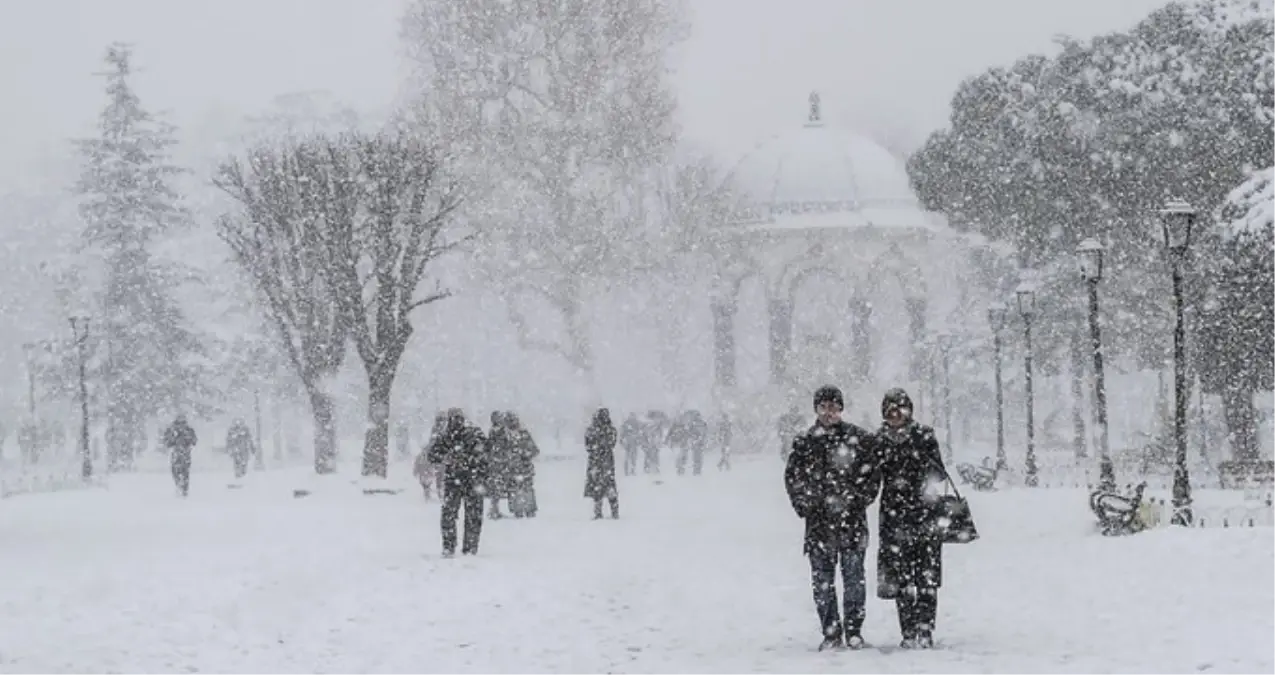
910 557
599 483
522 491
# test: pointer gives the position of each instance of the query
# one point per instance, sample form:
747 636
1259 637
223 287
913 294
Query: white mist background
884 67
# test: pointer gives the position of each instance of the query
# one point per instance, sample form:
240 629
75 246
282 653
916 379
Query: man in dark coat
697 436
599 482
180 440
831 479
239 446
631 441
460 451
909 560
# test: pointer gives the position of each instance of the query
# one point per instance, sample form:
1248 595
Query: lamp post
996 319
260 462
80 329
1026 296
945 341
1090 253
1176 219
28 348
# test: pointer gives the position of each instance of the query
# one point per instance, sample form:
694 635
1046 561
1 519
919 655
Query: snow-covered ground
699 574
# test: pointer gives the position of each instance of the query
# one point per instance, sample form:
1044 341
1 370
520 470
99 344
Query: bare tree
378 261
563 101
337 234
290 194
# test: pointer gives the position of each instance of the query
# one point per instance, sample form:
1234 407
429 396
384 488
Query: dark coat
524 453
461 451
599 442
239 441
911 474
832 477
180 438
501 456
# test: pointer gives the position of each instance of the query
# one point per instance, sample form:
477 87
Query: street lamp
996 319
28 348
1090 254
80 329
945 341
1026 296
1176 219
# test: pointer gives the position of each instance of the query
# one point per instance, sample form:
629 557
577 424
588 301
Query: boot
831 642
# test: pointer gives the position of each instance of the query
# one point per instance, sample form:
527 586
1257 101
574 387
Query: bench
1118 514
981 478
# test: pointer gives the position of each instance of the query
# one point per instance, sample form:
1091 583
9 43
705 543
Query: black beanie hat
895 398
829 393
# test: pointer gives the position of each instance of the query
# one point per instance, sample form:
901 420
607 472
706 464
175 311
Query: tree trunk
1241 424
324 432
1079 440
376 443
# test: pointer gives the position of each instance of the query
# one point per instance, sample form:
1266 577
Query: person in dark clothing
724 438
697 440
461 452
653 440
679 440
239 446
501 459
631 441
910 555
522 478
180 439
599 483
831 480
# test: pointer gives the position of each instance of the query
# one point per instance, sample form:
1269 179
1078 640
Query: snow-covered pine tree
149 357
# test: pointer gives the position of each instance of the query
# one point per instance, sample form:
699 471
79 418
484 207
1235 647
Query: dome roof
820 169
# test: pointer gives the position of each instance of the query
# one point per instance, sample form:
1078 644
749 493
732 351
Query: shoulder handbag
952 521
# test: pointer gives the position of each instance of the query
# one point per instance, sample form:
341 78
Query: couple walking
834 473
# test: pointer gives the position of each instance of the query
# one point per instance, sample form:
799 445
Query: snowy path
134 580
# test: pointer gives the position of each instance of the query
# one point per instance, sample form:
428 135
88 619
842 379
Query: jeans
823 578
454 499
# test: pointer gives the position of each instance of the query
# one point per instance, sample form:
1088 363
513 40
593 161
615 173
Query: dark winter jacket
500 455
912 474
239 441
599 442
524 453
180 438
832 478
461 452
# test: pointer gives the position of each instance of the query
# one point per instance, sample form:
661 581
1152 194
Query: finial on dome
816 115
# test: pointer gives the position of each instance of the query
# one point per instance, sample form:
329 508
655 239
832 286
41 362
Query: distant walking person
461 452
180 440
239 446
599 483
522 480
631 441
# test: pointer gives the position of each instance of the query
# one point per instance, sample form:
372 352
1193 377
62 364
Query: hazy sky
745 72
